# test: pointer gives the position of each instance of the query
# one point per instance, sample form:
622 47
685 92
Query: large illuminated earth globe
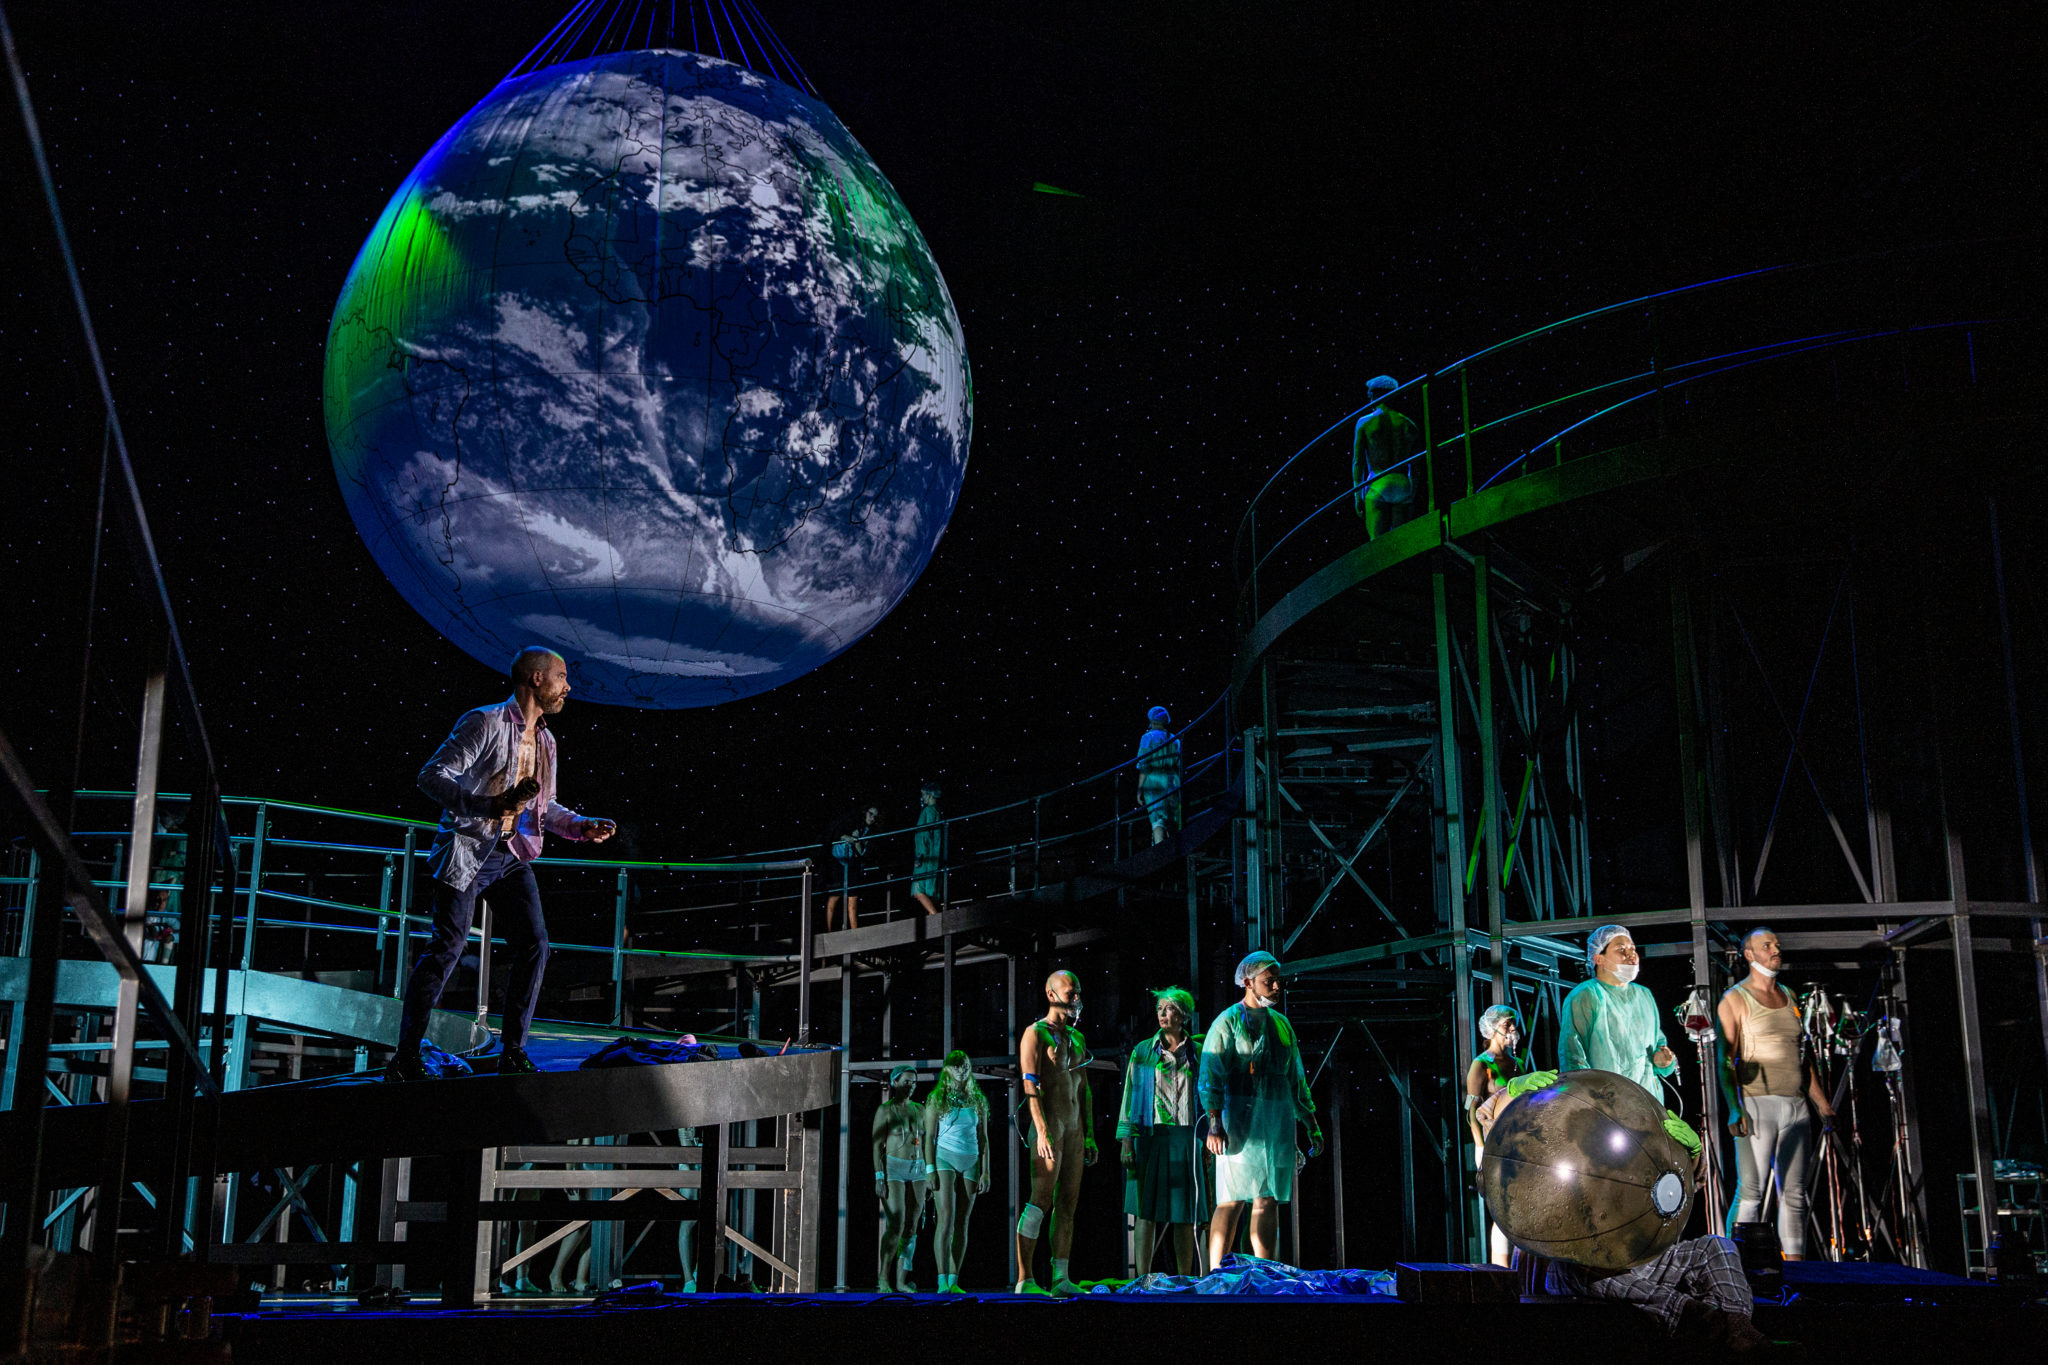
646 362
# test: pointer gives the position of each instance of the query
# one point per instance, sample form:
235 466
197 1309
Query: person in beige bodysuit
1050 1055
900 1182
1766 1088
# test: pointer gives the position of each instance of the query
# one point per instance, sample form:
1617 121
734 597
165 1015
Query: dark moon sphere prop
1583 1171
646 362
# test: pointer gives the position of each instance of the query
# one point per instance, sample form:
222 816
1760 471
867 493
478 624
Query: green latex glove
1535 1080
1682 1131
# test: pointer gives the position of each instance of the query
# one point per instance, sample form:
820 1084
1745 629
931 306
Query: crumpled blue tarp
1256 1275
651 1052
439 1062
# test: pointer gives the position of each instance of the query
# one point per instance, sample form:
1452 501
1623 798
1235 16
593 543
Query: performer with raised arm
1254 1091
1050 1055
1766 1085
495 778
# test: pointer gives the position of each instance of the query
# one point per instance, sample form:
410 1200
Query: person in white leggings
1766 1088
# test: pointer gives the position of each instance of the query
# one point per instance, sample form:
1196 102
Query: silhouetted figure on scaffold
1383 482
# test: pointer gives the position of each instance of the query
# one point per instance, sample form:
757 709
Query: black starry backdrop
1267 208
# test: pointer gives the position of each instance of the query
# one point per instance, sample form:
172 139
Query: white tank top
957 1131
1770 1048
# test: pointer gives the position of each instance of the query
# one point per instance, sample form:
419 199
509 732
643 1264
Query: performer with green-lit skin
1382 443
956 1135
1492 1069
1254 1090
899 1180
1050 1057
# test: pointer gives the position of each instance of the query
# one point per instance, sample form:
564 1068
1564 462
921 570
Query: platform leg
486 1241
465 1188
711 1199
393 1189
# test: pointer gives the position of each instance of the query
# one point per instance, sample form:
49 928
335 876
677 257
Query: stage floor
1868 1314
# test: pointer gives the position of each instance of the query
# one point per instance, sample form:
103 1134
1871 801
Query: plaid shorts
1708 1269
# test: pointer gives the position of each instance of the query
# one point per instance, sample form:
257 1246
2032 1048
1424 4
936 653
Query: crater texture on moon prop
1583 1171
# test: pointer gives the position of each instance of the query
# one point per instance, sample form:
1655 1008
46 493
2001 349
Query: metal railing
1648 367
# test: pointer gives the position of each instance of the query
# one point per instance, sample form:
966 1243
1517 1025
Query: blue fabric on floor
1256 1275
442 1063
650 1052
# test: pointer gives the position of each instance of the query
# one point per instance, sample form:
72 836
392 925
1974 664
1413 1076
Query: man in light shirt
1766 1088
495 779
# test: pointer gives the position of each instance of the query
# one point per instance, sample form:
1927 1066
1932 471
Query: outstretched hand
597 830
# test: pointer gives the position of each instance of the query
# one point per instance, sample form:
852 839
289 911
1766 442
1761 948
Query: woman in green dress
1165 1171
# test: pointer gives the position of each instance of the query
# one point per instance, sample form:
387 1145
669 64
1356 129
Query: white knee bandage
1030 1221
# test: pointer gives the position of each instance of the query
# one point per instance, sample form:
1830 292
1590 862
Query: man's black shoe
406 1064
515 1062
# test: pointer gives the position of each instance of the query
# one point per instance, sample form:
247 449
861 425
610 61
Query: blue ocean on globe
647 362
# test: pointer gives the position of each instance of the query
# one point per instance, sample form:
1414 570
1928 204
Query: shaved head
1060 978
531 660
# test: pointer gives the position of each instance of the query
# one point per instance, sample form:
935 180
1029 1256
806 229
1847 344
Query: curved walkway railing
1635 370
318 888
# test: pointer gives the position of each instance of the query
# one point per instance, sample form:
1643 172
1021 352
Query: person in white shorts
956 1134
900 1180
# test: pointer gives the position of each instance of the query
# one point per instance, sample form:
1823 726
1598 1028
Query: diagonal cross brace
1797 753
1348 866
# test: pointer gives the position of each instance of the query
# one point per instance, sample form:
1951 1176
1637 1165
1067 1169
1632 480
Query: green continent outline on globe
775 400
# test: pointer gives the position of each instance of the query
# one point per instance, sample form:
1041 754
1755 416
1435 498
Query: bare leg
929 906
1266 1228
913 1219
1144 1242
1066 1200
1044 1181
831 913
890 1239
963 1213
1184 1248
686 1254
853 912
1223 1231
944 1197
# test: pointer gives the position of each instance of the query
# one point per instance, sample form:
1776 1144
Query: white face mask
1073 1009
1767 973
1625 972
1266 1002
